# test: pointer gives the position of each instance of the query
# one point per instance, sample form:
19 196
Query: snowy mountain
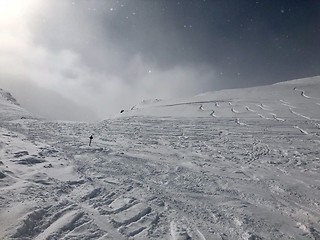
231 164
281 100
10 108
7 97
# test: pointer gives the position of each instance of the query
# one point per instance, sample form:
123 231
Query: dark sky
247 42
100 56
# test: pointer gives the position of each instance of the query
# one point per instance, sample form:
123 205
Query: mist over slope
10 109
233 164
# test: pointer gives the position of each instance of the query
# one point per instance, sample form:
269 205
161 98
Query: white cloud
99 76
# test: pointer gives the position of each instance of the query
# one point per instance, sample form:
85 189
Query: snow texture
232 164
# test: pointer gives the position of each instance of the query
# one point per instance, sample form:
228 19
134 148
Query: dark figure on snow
91 137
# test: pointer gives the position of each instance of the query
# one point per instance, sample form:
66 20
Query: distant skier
91 137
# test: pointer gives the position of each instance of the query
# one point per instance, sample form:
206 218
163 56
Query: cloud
68 58
49 104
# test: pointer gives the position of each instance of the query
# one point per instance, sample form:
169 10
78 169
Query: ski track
249 109
300 115
234 111
149 178
287 104
240 123
303 94
264 117
301 130
263 107
277 118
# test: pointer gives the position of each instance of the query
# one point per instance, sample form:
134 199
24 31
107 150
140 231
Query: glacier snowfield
232 164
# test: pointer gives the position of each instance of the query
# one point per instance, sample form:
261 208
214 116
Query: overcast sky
88 59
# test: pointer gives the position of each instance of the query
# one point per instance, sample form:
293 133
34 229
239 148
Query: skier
91 137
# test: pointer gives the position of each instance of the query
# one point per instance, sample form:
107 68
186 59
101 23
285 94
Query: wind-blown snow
232 164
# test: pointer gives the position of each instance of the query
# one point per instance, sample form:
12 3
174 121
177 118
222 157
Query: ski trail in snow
240 123
234 111
249 109
263 107
276 118
59 224
284 102
264 117
287 104
299 114
212 114
303 94
301 130
202 237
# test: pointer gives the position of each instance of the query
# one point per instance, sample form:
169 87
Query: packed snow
231 164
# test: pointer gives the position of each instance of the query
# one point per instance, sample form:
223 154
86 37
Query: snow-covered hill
291 99
232 164
10 108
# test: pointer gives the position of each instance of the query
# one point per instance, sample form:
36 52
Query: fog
61 62
87 60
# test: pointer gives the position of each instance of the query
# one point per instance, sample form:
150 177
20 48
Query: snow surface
232 164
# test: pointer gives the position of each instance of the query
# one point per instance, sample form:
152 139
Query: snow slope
10 109
286 100
232 164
